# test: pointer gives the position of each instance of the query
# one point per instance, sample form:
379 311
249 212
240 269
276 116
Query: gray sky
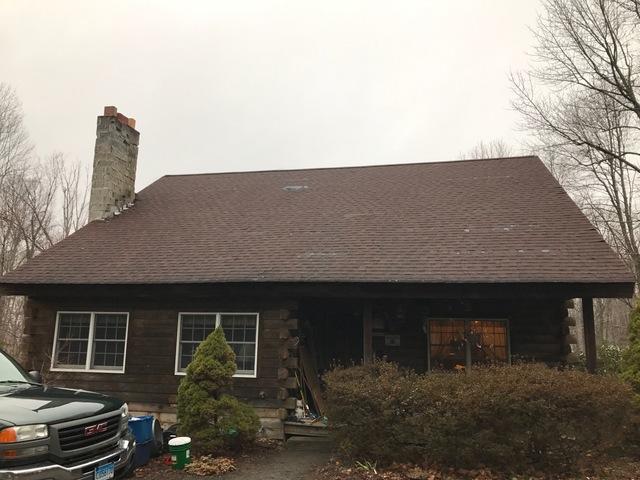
248 85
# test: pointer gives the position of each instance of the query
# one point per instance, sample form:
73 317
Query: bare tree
496 148
41 202
74 185
584 62
15 147
578 101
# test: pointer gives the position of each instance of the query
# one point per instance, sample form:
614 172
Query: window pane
447 344
109 340
240 332
73 340
488 341
195 327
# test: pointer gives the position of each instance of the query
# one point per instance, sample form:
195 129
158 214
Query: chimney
114 165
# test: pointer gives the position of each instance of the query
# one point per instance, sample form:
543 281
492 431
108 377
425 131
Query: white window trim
177 370
467 319
90 343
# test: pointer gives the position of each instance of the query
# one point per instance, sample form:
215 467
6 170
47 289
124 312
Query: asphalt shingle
481 221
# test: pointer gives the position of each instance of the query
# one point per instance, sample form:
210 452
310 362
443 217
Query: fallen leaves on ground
154 465
620 469
267 444
207 465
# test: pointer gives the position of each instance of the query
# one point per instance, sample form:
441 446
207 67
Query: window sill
85 370
237 375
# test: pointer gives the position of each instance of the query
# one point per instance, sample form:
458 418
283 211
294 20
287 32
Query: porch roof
489 221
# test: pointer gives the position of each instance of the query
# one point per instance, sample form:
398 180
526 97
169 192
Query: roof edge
616 289
350 167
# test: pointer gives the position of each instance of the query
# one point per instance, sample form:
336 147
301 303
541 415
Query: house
432 265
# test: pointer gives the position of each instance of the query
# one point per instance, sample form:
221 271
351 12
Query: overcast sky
252 85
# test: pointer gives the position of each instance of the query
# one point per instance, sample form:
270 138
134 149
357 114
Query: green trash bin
180 450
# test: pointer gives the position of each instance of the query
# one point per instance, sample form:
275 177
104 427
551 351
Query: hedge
512 417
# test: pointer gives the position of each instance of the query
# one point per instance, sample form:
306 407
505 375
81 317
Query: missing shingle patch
295 188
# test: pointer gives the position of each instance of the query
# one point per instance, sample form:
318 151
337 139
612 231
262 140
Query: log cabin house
432 265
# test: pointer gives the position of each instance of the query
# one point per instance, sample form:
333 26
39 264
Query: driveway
297 460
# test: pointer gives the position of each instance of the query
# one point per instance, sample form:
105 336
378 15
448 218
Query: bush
631 357
212 419
511 417
609 359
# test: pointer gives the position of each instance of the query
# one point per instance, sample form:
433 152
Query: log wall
539 330
149 383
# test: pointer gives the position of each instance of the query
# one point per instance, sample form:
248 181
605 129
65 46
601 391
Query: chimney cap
111 111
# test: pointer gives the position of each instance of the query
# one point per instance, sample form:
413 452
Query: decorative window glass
456 344
90 341
240 331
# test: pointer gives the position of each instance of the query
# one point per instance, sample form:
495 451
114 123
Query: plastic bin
143 453
180 450
142 428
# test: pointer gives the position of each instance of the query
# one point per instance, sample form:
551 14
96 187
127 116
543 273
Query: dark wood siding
538 331
151 347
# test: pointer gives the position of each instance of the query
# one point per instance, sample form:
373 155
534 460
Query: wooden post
367 332
589 334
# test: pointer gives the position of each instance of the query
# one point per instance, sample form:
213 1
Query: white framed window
90 342
240 331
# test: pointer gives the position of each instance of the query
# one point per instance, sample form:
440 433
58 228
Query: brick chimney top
113 112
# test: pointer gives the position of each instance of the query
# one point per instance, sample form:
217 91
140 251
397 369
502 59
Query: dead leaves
208 465
621 469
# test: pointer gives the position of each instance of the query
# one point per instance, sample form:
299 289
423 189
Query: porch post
589 334
367 332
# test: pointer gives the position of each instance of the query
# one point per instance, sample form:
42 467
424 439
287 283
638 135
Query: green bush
631 357
212 419
512 417
609 358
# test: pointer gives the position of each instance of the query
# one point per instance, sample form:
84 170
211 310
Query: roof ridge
348 167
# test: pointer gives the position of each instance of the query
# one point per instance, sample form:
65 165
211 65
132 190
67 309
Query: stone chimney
114 165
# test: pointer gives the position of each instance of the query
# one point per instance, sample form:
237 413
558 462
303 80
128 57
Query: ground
621 469
310 459
297 459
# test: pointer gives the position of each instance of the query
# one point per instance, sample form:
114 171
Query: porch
427 334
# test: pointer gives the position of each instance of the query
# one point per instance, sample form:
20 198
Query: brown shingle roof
482 221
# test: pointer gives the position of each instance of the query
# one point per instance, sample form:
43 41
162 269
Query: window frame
177 370
90 343
466 321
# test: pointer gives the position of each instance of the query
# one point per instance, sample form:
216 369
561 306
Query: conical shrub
212 419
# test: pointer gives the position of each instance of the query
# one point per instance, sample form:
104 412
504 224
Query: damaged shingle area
295 188
480 221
